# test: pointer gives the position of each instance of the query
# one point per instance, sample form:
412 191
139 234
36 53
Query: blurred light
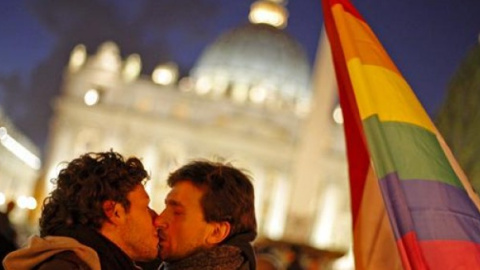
268 12
133 66
162 76
22 202
91 97
337 115
25 202
203 85
77 58
258 93
19 150
108 55
2 198
31 203
165 74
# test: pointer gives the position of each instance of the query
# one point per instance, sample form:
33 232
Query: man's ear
114 211
220 231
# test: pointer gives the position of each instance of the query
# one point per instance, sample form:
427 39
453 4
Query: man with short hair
98 216
209 219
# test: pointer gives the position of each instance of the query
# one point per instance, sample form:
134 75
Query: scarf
217 258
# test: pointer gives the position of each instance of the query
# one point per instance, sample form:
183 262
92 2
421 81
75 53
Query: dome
256 63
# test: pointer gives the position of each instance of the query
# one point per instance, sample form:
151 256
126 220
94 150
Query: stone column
313 144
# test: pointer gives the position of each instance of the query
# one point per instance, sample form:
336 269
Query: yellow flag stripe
385 93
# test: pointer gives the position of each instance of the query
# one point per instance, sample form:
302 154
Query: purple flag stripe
432 209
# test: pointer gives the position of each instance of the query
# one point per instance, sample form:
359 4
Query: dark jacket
242 241
111 256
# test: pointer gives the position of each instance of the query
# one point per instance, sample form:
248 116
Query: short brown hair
229 194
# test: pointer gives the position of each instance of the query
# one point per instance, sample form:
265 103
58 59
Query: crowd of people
98 217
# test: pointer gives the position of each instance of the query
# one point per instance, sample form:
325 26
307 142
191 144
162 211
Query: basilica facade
249 100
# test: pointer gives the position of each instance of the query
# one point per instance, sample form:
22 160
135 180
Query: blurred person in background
97 217
8 235
267 261
294 258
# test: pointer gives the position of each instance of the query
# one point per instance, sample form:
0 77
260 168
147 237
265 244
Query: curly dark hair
84 185
229 194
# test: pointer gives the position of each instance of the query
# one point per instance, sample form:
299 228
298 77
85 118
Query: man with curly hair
97 217
209 219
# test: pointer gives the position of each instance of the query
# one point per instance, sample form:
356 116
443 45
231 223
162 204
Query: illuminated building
247 100
19 168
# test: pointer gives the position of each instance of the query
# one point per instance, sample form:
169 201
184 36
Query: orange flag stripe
374 243
358 40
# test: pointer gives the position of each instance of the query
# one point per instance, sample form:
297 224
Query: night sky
427 39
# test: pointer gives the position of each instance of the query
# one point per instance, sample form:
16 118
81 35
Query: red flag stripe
355 140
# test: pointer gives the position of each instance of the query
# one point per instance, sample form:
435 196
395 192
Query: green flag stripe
412 151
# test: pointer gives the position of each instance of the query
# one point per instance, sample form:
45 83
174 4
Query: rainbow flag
412 206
